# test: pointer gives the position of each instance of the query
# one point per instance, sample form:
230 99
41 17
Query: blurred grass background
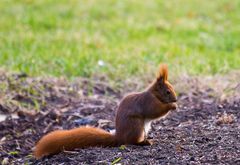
119 39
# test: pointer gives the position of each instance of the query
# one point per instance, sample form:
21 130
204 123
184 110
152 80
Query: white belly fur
147 126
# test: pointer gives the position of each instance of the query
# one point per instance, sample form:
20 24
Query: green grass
131 37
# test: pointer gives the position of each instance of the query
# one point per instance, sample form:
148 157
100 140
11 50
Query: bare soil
204 129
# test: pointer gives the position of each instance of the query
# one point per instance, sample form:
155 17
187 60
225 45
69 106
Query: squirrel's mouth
174 100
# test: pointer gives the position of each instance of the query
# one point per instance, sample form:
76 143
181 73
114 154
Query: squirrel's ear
163 73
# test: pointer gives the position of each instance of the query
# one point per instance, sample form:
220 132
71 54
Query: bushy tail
82 137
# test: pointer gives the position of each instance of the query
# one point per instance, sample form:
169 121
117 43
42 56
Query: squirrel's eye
168 92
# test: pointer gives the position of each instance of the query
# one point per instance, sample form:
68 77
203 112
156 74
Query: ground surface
205 129
82 38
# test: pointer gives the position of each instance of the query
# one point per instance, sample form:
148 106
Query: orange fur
163 72
132 113
82 137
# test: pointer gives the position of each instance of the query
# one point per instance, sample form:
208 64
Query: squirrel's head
161 88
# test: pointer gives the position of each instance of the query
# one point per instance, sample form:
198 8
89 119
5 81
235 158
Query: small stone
219 138
5 161
220 106
192 158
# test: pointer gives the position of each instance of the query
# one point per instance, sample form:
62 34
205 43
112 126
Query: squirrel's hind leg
145 142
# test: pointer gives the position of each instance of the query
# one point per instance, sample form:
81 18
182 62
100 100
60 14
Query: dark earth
204 129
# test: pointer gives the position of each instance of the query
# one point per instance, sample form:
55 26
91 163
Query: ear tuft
163 72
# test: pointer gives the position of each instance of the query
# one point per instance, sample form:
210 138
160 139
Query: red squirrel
133 118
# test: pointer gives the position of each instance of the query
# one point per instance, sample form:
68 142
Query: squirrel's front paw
173 106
